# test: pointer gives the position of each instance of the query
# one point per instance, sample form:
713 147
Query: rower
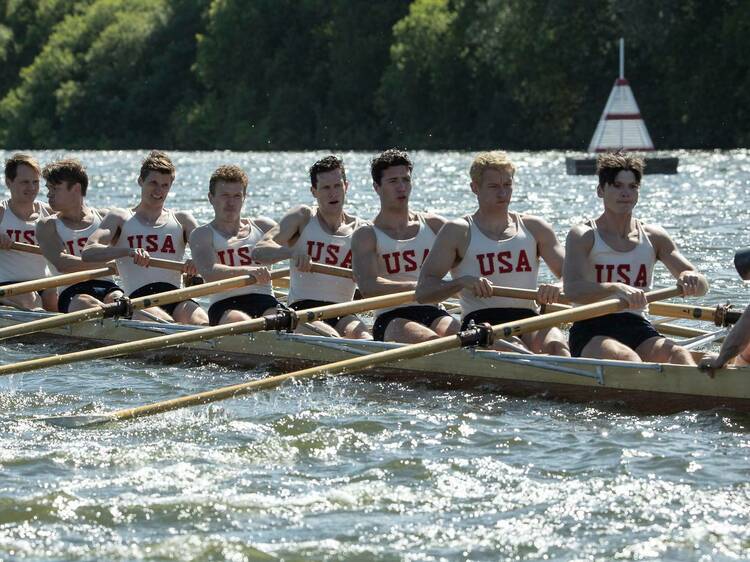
133 236
18 218
223 248
387 255
320 234
62 236
495 246
734 351
614 256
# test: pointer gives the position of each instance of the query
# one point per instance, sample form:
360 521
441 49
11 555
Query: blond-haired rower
495 246
223 248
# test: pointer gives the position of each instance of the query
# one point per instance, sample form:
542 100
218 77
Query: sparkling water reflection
357 469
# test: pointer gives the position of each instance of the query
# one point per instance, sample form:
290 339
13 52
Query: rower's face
227 200
62 195
620 196
25 186
495 190
155 188
330 192
395 185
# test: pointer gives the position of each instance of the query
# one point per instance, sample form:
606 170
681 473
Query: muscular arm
737 340
448 249
693 282
53 249
365 266
277 244
550 249
435 222
188 222
100 245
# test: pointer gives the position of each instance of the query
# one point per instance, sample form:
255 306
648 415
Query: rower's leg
408 331
663 350
446 326
550 341
188 312
317 328
352 327
27 301
602 347
49 299
81 302
150 313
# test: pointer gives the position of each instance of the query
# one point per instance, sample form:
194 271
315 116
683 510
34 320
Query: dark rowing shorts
97 288
625 327
159 287
310 303
424 314
497 316
253 304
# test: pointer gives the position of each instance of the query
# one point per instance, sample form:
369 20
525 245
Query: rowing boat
649 387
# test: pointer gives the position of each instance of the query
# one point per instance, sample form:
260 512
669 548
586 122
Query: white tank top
512 262
237 252
328 249
634 268
74 240
165 241
401 260
21 266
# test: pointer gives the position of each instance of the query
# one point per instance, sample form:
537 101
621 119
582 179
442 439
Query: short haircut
609 164
68 170
327 164
18 159
387 159
228 173
156 161
493 160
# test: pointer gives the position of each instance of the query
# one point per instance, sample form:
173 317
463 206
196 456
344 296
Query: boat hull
646 387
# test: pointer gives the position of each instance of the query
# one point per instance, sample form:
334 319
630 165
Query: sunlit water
359 469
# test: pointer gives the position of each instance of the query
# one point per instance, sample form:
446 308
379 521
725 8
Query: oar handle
28 248
528 294
720 315
331 270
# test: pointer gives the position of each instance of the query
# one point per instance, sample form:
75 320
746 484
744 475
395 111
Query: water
357 469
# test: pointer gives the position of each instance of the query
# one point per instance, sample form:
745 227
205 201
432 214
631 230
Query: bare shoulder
364 236
264 223
102 212
536 223
117 215
201 235
581 234
185 217
456 227
655 231
434 221
44 221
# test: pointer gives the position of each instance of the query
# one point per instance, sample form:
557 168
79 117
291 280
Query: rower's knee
82 302
556 347
608 348
678 355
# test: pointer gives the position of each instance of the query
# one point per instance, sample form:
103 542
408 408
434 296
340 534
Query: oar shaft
695 312
56 281
391 355
28 248
201 334
528 294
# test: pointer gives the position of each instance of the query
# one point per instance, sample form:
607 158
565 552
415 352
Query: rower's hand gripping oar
479 335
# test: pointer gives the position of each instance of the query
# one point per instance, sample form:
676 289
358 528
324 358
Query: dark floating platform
587 166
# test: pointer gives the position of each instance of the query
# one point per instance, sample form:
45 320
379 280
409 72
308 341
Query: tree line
356 74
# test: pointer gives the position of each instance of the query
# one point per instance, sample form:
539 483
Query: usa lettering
71 245
406 261
621 273
328 254
152 243
236 256
503 262
25 236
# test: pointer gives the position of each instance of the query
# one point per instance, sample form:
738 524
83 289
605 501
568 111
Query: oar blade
742 263
78 422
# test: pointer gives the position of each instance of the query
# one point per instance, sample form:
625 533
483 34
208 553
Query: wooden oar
274 322
720 315
467 338
56 281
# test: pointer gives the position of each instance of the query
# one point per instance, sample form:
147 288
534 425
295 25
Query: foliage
293 74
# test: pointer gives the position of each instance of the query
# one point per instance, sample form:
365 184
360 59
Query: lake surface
357 469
